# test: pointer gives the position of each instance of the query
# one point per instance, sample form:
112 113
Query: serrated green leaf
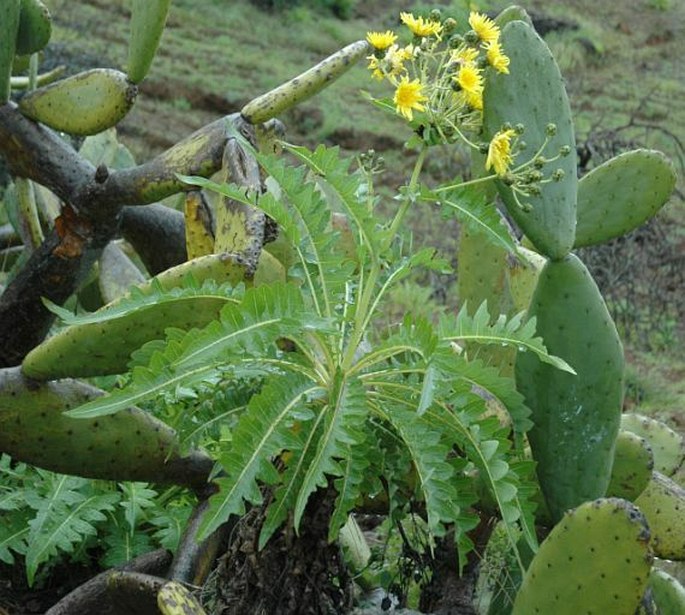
471 207
263 431
344 414
506 332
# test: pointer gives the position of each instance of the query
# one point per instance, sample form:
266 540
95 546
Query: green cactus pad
667 592
9 24
304 86
117 273
576 418
523 271
663 504
147 24
513 13
129 445
35 27
481 277
633 465
596 561
269 270
533 94
83 104
105 347
621 194
667 445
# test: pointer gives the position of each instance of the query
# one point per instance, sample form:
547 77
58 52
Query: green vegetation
267 369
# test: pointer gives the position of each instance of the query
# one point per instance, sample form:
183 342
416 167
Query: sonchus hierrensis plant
263 310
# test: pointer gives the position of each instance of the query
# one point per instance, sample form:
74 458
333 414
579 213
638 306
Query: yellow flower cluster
439 74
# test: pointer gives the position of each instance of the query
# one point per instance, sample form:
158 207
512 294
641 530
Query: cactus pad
104 346
304 86
596 561
533 94
129 445
667 592
667 445
633 465
663 504
83 104
621 194
576 417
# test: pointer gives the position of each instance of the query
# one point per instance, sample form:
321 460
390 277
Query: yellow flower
465 55
375 68
381 40
499 152
484 27
420 26
469 78
496 57
395 58
408 96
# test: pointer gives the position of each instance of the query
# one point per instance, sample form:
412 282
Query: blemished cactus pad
533 94
576 418
84 104
621 194
595 561
304 86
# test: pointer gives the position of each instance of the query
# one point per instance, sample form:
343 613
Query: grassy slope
624 62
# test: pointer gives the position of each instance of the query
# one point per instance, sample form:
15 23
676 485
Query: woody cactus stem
94 198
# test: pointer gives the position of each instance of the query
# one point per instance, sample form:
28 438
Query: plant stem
369 288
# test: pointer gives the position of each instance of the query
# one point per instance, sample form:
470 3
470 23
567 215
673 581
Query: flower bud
471 37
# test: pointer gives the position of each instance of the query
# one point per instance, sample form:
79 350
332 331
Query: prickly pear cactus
83 104
130 445
667 592
595 561
576 417
632 468
663 504
533 95
668 445
621 194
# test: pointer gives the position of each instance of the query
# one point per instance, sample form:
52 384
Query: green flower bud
551 129
558 175
456 41
471 37
519 128
564 150
449 25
